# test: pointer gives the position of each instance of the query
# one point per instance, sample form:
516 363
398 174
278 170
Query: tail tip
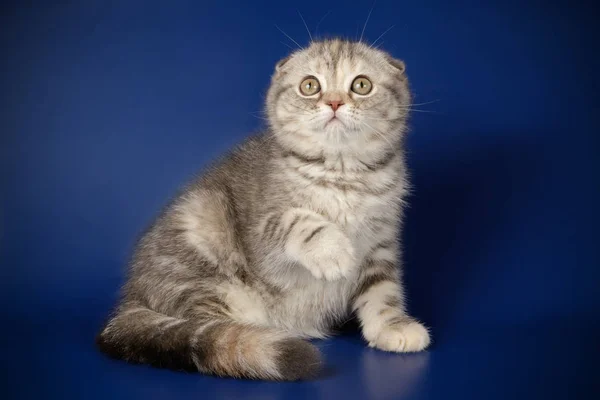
299 360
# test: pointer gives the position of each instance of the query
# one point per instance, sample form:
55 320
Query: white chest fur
364 204
356 200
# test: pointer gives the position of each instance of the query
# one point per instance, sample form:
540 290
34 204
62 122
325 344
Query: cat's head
338 95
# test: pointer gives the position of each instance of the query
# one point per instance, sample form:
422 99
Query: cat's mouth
334 120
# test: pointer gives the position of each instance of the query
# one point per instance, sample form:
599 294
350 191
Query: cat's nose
335 104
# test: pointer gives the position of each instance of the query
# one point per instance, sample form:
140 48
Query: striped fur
287 235
210 345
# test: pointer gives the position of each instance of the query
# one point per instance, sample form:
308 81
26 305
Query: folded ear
398 64
281 63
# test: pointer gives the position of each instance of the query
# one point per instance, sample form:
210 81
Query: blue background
107 107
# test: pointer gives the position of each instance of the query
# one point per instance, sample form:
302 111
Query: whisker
422 111
428 102
371 105
405 109
380 44
306 26
288 36
321 20
367 21
402 107
381 135
261 118
282 42
298 105
379 119
258 113
306 111
380 36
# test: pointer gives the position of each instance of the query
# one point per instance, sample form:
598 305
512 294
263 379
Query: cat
290 233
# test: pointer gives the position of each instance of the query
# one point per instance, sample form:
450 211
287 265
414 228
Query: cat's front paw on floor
403 337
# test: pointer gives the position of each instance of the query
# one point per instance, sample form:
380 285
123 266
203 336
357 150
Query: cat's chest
340 194
348 208
356 212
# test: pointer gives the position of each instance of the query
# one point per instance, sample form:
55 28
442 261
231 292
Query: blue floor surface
543 360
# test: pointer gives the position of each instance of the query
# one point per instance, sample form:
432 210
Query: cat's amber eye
361 85
309 86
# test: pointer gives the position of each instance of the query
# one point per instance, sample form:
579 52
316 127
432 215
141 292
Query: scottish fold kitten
289 234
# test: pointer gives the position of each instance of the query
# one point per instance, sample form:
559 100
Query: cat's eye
310 86
361 85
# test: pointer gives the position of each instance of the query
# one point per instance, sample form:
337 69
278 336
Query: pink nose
335 104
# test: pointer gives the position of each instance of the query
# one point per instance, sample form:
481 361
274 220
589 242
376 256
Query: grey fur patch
369 282
391 301
298 360
398 320
271 226
387 268
296 219
304 158
381 163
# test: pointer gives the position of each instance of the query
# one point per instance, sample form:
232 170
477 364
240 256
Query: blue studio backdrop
108 107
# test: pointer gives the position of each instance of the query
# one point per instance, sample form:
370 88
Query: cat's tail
214 346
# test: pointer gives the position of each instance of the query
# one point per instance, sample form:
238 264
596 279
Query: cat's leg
309 239
379 305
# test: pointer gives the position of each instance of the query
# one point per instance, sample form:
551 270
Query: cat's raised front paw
402 337
330 256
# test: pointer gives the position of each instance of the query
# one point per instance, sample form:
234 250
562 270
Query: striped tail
217 346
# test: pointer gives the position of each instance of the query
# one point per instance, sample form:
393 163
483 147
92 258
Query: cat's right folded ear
280 64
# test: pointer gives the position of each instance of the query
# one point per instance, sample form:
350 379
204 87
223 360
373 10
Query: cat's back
198 226
239 170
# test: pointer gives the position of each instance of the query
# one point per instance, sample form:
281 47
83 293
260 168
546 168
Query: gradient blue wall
108 107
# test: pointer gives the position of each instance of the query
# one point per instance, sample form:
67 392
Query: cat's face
337 95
